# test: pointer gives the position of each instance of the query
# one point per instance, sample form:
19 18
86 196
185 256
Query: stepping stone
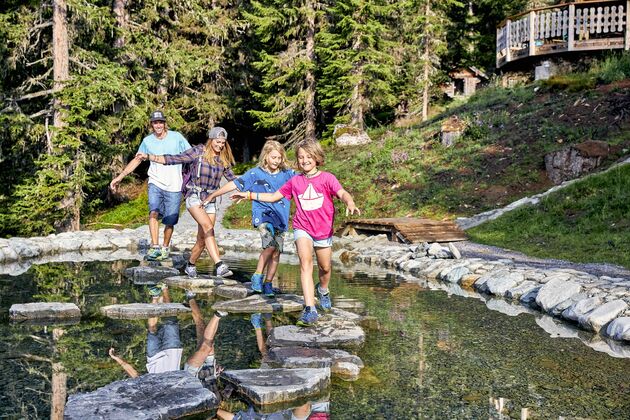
149 275
348 304
43 311
185 282
237 291
273 386
259 303
329 332
341 363
143 310
166 395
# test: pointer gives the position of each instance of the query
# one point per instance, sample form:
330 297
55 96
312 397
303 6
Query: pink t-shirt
315 212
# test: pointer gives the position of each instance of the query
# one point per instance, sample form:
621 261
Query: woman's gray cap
157 116
217 132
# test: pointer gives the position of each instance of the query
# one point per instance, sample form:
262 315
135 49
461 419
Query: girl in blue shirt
271 219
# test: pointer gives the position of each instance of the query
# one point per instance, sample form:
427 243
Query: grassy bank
588 221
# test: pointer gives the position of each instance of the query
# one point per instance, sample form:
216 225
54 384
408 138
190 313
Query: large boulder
574 161
168 395
555 292
346 135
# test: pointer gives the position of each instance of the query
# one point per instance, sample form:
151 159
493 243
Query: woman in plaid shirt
209 163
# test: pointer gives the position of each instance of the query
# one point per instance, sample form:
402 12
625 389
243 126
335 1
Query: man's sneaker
256 320
308 318
324 299
267 289
165 252
156 291
223 270
191 270
154 253
257 282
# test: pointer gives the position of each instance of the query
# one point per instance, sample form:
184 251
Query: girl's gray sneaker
190 270
223 270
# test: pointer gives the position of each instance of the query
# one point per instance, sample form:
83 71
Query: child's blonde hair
313 148
268 147
226 158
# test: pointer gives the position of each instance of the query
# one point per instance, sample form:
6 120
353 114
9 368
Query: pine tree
359 70
286 32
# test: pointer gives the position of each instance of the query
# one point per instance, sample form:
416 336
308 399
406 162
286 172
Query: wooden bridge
567 27
406 229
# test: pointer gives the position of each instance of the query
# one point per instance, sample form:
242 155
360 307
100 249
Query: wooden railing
579 26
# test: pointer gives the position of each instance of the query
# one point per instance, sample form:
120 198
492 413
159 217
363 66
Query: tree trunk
357 100
119 8
427 65
58 382
309 106
61 71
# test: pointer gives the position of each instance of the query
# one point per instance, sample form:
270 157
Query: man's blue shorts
166 337
166 203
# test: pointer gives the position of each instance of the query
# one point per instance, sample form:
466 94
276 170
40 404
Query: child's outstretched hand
239 196
351 209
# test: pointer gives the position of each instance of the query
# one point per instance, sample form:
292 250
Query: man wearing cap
165 182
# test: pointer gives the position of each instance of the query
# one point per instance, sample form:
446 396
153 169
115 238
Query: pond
429 355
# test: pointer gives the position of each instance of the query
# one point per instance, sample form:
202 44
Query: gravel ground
488 252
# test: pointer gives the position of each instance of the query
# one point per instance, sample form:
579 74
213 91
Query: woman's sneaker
223 270
156 291
191 270
165 252
324 299
267 289
308 318
154 253
257 282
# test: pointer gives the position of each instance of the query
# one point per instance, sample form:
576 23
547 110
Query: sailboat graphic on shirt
311 199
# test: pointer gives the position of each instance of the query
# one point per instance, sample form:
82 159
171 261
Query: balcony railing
583 26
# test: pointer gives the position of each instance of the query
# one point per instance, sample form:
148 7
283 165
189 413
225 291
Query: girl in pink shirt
313 191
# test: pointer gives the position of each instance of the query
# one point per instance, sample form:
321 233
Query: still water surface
431 355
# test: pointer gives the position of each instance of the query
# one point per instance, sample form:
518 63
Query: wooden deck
406 229
567 27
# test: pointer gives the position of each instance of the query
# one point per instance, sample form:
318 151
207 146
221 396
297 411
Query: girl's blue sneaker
267 289
324 299
308 318
257 282
256 320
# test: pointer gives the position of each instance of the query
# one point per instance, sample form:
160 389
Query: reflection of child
272 219
164 348
313 191
307 411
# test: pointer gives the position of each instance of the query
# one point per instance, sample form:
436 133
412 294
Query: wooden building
464 82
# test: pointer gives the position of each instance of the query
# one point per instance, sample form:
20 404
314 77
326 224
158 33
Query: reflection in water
434 354
306 411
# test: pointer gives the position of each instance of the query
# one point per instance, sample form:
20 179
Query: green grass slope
588 221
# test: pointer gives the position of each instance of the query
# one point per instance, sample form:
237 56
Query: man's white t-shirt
165 177
165 361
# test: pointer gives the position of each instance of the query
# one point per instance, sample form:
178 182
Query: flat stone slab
341 363
348 304
602 315
237 291
185 282
43 311
143 310
259 303
149 275
166 395
329 332
273 386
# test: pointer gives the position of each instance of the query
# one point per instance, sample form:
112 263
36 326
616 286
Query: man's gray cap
217 132
157 116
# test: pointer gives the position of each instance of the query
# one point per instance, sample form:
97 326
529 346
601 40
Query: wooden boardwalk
406 229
